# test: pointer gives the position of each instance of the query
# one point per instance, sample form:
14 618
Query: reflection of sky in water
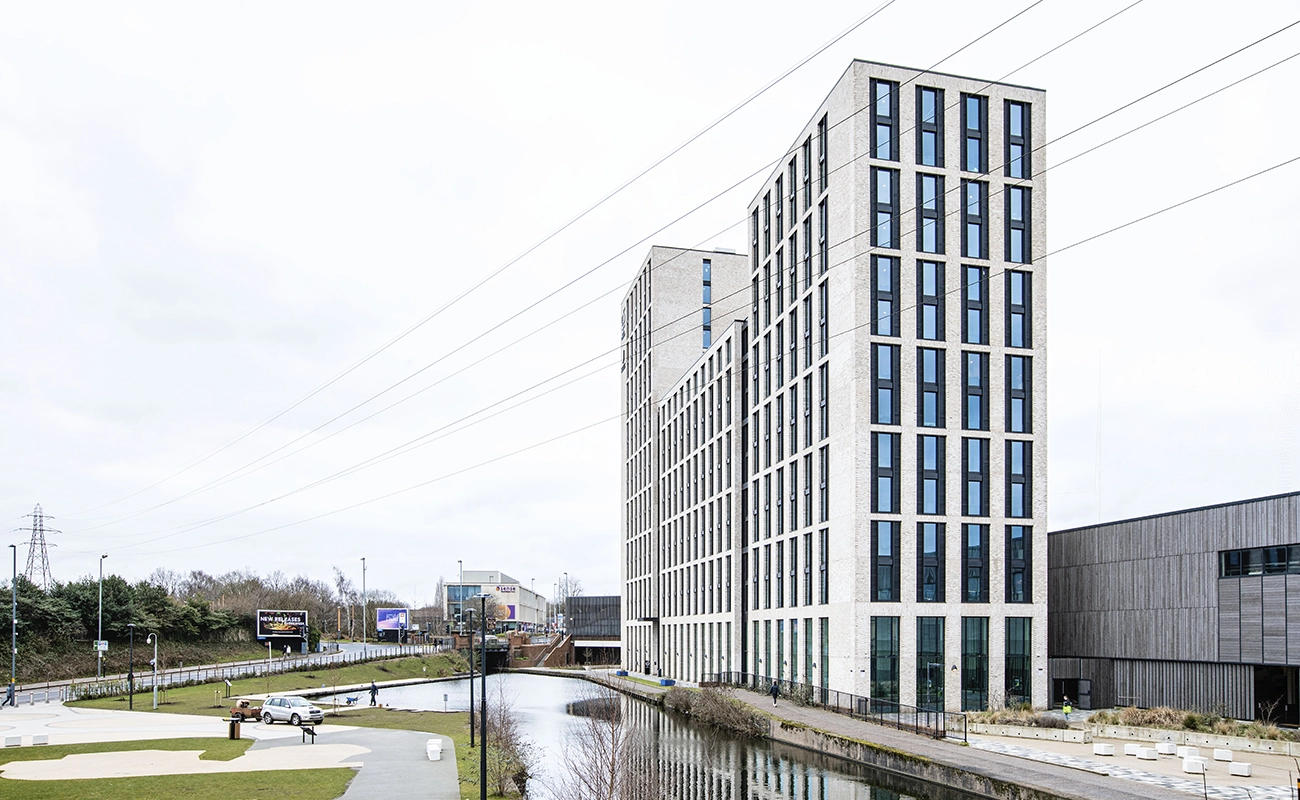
699 763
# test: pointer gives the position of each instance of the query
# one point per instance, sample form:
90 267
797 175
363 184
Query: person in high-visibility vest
1067 708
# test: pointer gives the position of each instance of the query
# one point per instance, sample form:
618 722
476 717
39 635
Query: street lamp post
363 608
13 636
130 670
153 637
469 612
99 643
482 754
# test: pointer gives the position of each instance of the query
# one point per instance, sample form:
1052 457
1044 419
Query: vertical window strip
1018 230
1017 128
930 300
884 120
975 125
884 289
975 229
884 203
930 573
929 128
930 213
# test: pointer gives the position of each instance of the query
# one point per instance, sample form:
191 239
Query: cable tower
38 554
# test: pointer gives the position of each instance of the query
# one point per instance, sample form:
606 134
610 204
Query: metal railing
145 681
934 723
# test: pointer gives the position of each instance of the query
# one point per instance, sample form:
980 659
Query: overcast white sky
207 213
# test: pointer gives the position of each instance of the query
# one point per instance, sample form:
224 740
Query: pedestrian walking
774 691
374 692
1067 708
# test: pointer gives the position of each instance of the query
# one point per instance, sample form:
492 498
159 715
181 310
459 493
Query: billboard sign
392 619
273 623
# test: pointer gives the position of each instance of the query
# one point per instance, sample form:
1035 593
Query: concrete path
392 763
395 764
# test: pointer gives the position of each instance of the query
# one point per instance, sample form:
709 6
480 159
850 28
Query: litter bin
234 727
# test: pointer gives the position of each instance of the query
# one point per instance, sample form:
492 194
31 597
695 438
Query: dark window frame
979 133
930 212
975 564
887 121
1021 166
1024 393
979 303
889 208
979 388
978 218
1019 560
979 475
1023 225
891 472
933 562
1023 309
938 386
889 563
1024 479
892 383
932 127
885 324
936 474
934 299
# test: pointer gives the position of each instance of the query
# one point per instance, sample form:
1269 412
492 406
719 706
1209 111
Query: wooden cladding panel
1230 620
1252 620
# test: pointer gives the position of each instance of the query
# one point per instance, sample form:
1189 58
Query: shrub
717 708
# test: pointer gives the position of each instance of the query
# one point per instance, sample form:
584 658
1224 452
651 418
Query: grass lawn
199 700
317 784
210 698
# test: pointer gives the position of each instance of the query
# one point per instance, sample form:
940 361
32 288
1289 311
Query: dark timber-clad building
1196 609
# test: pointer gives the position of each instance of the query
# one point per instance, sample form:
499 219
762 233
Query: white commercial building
846 488
518 606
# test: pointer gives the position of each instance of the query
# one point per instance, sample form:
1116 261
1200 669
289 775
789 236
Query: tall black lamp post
13 640
130 670
482 753
468 614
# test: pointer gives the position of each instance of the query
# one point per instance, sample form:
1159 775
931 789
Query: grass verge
319 784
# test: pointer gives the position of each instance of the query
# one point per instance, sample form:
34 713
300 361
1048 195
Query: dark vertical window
807 252
929 300
929 128
780 355
975 563
823 240
885 586
823 565
824 477
975 294
794 270
754 590
885 394
779 276
1020 564
823 325
975 467
807 331
929 562
930 391
1019 483
794 572
807 176
1018 317
975 133
794 495
824 404
753 229
708 298
931 668
975 215
807 411
779 191
887 478
767 576
1017 140
1019 661
884 664
767 224
807 492
1019 394
794 418
780 574
974 663
824 674
807 567
884 120
975 390
794 200
767 295
779 495
767 435
884 288
884 200
930 471
929 213
1017 233
821 156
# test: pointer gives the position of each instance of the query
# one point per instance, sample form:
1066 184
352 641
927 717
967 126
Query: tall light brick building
847 486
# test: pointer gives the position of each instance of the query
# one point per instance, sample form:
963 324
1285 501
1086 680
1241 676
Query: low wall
1041 734
1197 739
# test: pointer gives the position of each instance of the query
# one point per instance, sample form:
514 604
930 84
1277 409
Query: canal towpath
967 765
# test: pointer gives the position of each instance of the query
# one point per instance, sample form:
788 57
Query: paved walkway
391 763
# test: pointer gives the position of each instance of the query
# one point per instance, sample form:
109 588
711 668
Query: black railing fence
928 722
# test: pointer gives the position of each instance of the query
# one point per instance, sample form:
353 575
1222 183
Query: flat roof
1175 513
948 75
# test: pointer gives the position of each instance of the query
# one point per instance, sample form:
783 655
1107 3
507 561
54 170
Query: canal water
697 763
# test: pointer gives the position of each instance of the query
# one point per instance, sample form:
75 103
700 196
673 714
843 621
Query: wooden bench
308 729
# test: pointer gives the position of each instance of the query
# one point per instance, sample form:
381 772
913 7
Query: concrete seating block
1167 748
1193 766
13 741
40 738
1100 749
1222 755
1132 749
433 749
1240 769
1188 752
1147 753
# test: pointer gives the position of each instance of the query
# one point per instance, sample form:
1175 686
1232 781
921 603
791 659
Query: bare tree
511 756
608 758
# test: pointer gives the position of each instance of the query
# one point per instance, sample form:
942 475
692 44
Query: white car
293 710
